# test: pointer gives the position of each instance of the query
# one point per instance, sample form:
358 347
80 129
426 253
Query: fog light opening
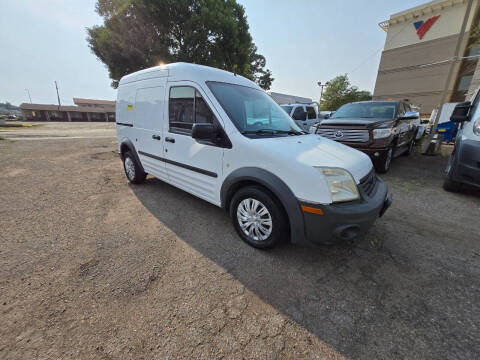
347 232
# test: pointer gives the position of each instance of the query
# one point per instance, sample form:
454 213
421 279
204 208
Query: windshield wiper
273 132
260 132
292 132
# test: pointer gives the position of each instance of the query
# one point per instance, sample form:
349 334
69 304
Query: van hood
314 150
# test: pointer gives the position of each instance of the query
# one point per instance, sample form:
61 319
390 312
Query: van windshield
253 111
366 110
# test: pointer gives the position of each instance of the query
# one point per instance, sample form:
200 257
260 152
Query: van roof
185 71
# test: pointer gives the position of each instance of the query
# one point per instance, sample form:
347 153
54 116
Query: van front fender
273 183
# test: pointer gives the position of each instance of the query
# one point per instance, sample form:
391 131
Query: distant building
83 110
288 99
419 47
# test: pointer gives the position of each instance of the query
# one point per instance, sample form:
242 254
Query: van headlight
476 127
382 133
341 184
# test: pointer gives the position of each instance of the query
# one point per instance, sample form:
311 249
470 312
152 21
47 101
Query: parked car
304 115
220 137
381 129
464 163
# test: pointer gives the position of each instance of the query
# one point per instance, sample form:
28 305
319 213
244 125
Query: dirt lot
93 268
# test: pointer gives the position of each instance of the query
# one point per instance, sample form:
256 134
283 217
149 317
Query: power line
380 49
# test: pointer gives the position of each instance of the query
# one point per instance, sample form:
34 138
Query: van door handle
156 137
170 140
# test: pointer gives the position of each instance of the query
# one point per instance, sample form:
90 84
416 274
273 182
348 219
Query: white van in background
305 115
220 137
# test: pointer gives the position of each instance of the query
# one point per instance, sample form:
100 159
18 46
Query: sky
304 41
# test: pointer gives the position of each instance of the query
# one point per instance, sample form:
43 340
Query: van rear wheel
134 173
258 217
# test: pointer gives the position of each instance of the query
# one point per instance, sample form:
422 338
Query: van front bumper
467 168
328 224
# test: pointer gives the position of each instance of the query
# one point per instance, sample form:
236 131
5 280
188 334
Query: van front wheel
258 217
133 171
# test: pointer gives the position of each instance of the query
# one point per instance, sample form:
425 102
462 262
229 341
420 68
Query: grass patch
16 125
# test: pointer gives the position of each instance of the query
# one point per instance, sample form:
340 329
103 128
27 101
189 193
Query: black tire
382 165
410 146
451 185
448 183
137 176
279 223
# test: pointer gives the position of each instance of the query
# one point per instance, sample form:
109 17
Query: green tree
339 92
137 34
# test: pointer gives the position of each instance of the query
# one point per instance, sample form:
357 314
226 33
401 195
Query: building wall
402 32
400 77
416 69
51 115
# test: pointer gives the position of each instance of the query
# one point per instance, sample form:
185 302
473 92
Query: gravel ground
94 268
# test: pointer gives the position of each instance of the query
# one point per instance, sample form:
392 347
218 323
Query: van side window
181 108
299 114
311 112
186 107
203 113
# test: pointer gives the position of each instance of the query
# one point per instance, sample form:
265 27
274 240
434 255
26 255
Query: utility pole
321 91
28 92
452 65
58 96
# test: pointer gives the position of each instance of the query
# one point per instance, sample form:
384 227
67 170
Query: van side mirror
460 113
204 131
409 115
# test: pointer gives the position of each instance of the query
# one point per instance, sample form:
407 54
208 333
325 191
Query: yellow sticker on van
129 107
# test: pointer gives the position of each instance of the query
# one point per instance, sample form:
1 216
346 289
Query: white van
463 167
304 115
222 138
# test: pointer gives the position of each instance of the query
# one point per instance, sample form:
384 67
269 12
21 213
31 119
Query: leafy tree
339 91
137 34
8 106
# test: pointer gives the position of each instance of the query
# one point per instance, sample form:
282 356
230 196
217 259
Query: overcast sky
304 41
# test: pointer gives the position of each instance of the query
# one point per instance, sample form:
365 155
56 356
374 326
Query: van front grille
346 135
367 184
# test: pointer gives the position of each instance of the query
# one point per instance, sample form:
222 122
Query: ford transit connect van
222 138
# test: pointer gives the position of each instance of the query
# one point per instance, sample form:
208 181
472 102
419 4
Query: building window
97 117
464 82
75 115
474 50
